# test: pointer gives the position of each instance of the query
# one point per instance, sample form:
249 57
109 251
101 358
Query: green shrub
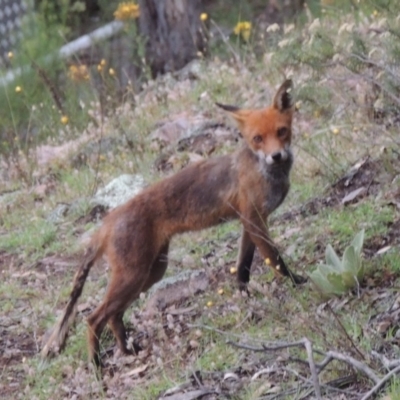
336 276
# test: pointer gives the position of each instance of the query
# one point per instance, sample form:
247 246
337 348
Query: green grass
33 239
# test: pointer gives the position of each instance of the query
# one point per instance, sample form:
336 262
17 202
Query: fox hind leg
157 271
125 286
158 267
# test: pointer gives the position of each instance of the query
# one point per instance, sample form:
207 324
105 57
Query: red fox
247 185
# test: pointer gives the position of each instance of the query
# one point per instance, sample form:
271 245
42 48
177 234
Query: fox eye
282 132
257 139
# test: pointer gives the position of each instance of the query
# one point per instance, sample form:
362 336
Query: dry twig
379 384
317 368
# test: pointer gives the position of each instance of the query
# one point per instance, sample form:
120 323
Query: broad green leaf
358 241
336 280
321 281
349 280
351 260
338 276
360 272
332 258
327 269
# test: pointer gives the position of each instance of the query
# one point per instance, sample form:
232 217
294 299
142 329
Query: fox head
268 131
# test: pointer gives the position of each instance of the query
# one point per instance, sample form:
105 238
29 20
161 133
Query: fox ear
231 109
283 99
237 113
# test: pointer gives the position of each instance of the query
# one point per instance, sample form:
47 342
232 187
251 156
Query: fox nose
277 156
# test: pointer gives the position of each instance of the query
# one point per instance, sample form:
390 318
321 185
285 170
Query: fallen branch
303 342
313 369
317 368
389 364
379 384
354 363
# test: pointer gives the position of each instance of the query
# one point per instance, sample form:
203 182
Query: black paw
243 288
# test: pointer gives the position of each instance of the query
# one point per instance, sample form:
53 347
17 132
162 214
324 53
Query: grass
34 239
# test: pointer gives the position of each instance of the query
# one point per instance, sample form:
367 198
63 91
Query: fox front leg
244 260
258 235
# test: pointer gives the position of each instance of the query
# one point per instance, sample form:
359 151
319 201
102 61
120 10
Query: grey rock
119 191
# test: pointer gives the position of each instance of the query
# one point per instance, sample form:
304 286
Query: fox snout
277 157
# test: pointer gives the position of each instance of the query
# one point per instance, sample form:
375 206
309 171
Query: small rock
119 190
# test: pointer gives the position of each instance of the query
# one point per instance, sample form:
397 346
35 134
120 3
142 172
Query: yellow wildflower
64 120
210 303
78 73
233 270
127 10
243 29
10 55
221 291
101 65
111 71
335 131
18 89
203 17
267 261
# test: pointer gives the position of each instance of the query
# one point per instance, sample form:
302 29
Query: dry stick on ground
329 356
314 373
389 364
334 355
378 386
309 386
303 342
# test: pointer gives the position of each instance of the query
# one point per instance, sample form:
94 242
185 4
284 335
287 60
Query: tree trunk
173 32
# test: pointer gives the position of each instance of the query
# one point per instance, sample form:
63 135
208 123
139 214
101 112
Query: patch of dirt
53 266
14 347
365 173
363 179
385 321
381 243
